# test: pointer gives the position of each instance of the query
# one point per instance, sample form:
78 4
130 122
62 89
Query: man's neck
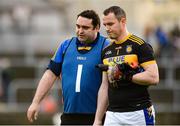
123 35
88 42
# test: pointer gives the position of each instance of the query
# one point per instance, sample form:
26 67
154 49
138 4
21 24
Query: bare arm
149 77
44 86
102 103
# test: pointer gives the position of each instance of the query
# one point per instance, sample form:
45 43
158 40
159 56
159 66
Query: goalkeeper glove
123 71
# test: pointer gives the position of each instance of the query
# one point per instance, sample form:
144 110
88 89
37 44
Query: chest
119 53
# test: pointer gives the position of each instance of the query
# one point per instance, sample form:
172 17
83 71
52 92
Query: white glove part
113 74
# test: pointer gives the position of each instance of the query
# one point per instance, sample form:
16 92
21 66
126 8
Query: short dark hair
91 14
118 12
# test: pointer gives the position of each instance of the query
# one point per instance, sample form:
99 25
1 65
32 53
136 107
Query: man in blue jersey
75 62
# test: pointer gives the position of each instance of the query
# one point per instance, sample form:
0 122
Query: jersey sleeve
146 54
55 63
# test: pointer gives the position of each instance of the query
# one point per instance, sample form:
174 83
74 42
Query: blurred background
31 30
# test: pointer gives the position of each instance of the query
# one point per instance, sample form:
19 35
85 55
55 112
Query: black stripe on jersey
136 39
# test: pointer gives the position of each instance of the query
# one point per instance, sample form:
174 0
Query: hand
114 73
97 123
102 67
129 70
122 71
32 113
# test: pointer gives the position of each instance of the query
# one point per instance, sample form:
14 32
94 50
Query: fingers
117 73
114 74
36 116
32 114
110 74
134 65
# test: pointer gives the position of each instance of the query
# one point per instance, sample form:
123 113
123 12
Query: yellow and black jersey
128 96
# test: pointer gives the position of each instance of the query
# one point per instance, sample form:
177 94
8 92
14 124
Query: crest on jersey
129 48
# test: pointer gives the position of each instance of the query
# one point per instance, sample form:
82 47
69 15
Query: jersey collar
124 39
91 44
84 47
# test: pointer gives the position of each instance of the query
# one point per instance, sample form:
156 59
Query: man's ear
123 19
97 27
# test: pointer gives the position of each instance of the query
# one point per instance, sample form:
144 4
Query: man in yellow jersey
123 94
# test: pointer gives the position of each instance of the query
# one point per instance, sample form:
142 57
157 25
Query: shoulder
105 40
110 43
107 43
103 37
139 42
65 43
136 40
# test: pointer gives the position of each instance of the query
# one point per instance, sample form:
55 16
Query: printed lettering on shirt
81 58
108 53
132 58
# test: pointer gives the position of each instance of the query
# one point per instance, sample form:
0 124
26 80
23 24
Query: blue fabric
84 101
55 63
66 61
55 67
149 118
58 56
161 36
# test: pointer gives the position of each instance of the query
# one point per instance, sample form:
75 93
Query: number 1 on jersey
78 78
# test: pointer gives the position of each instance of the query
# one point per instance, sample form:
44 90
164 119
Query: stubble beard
112 36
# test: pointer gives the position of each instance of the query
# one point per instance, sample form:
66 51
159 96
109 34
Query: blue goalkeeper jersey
80 77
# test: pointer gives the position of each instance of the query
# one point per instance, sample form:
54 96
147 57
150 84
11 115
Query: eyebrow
84 26
109 23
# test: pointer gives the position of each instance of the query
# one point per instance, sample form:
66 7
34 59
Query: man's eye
77 26
110 24
85 28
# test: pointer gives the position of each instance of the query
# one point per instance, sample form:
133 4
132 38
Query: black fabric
126 95
77 119
55 67
128 71
145 53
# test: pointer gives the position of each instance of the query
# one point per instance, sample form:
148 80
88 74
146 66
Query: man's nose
107 28
81 30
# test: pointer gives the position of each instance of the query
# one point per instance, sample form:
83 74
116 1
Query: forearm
102 102
102 106
44 86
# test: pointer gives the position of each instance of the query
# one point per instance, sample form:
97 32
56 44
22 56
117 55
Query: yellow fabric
123 40
84 48
148 63
132 58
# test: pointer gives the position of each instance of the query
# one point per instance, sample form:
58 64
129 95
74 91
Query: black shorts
77 119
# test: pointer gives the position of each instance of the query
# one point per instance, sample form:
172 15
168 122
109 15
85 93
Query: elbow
155 80
156 77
